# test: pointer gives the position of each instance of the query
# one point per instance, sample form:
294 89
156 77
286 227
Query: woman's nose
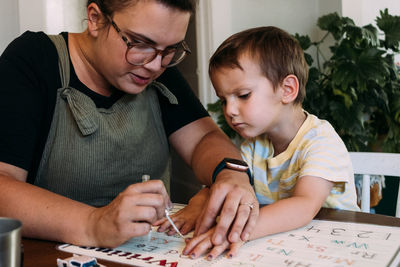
155 64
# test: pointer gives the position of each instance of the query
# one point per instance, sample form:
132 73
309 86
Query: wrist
89 234
234 165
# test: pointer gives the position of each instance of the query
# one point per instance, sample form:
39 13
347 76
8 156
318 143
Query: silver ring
250 205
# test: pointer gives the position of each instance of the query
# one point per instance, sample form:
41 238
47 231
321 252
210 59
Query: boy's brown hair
277 53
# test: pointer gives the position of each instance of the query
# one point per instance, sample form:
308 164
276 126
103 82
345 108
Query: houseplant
356 88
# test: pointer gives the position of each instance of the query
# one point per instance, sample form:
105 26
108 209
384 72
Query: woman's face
160 26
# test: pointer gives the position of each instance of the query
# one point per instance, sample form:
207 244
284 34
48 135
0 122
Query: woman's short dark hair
277 53
109 7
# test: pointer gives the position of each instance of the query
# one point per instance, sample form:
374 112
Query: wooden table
44 253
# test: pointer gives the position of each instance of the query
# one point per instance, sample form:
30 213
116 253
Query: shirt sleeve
188 109
23 97
327 157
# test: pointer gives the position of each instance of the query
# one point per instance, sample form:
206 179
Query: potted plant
356 88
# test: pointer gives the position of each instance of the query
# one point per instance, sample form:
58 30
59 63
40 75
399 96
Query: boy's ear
95 19
290 88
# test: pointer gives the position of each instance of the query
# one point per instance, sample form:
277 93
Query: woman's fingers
130 214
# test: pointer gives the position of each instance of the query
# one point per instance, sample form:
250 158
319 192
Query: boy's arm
286 214
309 194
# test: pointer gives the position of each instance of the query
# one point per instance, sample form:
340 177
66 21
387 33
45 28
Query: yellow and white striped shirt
316 150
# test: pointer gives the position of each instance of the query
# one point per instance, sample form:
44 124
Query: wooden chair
373 163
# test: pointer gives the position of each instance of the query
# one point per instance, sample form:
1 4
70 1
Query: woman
79 134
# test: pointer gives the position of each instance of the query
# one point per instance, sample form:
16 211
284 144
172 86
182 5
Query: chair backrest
373 163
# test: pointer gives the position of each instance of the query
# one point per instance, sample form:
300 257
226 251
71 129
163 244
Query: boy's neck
287 131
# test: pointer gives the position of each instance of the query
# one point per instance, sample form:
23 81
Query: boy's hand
199 245
185 219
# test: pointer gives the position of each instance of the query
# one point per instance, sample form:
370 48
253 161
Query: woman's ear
290 88
95 19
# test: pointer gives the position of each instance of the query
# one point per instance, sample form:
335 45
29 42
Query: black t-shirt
29 77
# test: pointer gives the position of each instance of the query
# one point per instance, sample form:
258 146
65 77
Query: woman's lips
139 80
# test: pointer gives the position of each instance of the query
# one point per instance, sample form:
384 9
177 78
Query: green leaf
390 25
304 41
371 65
357 88
347 98
331 23
309 59
370 33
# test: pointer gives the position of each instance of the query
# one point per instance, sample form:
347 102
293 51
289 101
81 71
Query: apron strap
63 58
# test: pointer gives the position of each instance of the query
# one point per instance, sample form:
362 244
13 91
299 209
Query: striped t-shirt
316 150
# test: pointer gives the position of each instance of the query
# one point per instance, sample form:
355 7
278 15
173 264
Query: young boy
298 161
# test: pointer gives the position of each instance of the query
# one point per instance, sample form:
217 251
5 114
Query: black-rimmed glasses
139 52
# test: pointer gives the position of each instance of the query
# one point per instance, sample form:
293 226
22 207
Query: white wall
216 20
364 12
219 19
50 16
9 22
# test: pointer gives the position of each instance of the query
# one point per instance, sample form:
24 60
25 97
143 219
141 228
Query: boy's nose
231 109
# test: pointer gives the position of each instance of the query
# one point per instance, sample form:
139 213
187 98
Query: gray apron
92 154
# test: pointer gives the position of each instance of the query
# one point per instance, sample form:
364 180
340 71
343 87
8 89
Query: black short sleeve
189 107
28 68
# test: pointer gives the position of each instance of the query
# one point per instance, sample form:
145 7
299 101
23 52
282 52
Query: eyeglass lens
140 54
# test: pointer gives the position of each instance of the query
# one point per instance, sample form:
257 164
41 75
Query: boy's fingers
217 250
192 243
234 249
201 248
187 227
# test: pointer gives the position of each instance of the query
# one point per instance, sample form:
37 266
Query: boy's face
251 105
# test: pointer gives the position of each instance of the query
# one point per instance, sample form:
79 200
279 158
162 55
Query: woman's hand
130 214
185 219
232 198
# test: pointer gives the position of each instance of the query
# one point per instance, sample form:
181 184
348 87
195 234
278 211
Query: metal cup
10 242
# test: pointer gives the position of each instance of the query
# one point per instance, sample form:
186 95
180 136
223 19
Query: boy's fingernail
193 256
230 256
209 257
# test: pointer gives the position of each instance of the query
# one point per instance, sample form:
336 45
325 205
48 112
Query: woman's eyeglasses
139 53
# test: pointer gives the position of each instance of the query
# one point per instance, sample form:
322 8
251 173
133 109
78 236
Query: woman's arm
203 145
46 215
